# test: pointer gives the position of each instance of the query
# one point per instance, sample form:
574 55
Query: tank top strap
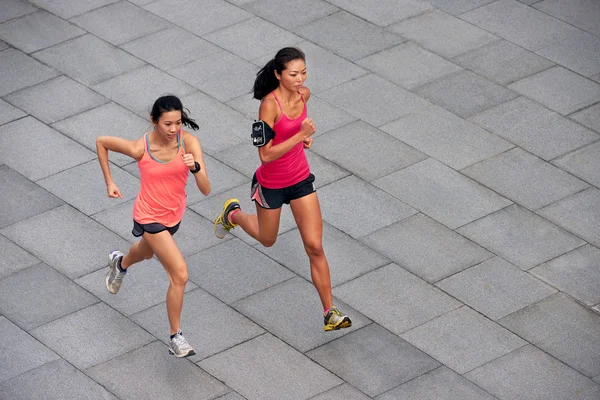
278 103
147 142
302 97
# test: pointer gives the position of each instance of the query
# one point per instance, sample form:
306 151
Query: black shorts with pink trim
154 227
274 198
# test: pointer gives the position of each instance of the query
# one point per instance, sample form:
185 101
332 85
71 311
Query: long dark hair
172 103
266 81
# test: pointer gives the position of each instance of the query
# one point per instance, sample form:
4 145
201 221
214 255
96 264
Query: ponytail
266 81
187 120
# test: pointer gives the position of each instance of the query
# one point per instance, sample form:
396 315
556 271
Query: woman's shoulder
305 92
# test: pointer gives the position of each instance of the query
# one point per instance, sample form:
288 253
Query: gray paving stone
265 367
503 62
495 288
559 89
581 13
148 363
520 237
118 219
364 216
3 45
37 30
465 93
441 193
575 273
285 13
429 249
324 170
66 383
374 100
441 383
195 234
395 299
430 30
583 163
158 48
211 16
580 53
386 12
589 117
120 22
446 137
456 7
339 33
213 75
9 113
534 128
19 71
347 257
14 258
241 157
88 60
529 370
563 328
579 214
234 270
520 24
44 143
84 188
13 361
10 9
22 198
374 360
408 65
231 396
302 327
525 179
206 322
37 295
44 100
596 78
71 8
66 240
344 391
340 146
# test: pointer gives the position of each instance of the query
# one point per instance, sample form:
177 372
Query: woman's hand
113 191
307 128
188 160
307 142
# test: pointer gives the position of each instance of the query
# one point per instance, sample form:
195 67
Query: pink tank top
292 167
162 194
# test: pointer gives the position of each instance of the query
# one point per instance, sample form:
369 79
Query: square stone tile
373 360
340 32
353 206
344 391
9 113
14 361
158 48
559 89
442 193
347 257
579 214
386 11
29 297
47 100
583 163
43 145
22 198
119 219
96 335
457 7
222 75
430 30
234 270
374 100
529 370
10 9
14 259
525 179
495 288
69 8
581 13
520 237
67 383
303 326
589 117
195 234
209 16
430 250
408 65
120 22
534 128
579 52
285 13
340 146
88 60
66 240
266 368
441 383
132 91
37 30
563 328
575 273
395 299
503 62
520 24
446 137
465 93
18 71
324 170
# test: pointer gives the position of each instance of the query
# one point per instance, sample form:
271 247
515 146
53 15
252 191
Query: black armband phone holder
261 134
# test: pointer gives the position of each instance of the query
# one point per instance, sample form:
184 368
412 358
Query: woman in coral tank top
284 175
166 156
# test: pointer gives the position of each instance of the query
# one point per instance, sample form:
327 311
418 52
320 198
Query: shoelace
119 276
180 341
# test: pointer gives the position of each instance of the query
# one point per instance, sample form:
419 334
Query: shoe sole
346 323
188 354
110 260
222 232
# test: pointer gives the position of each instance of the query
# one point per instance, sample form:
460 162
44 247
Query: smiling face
168 124
293 76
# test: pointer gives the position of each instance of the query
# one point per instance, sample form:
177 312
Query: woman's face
169 124
293 76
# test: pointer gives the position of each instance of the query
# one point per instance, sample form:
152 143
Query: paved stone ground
458 165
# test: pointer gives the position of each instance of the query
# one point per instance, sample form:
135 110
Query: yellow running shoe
222 223
335 320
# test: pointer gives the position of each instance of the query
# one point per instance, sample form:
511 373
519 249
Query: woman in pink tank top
166 156
284 174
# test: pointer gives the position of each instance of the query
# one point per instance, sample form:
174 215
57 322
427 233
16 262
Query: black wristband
195 171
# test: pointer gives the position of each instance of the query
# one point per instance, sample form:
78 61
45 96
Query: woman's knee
314 249
179 276
267 241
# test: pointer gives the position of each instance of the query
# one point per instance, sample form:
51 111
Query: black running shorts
154 227
274 198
